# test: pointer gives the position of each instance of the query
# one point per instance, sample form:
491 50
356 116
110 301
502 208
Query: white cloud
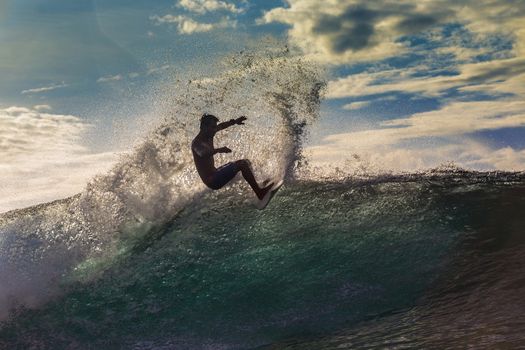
386 147
337 32
109 78
42 107
454 119
186 25
463 152
504 79
154 70
460 118
347 31
44 89
356 105
42 157
203 6
483 76
343 31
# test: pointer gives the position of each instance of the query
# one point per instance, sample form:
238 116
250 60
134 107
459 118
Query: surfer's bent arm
238 121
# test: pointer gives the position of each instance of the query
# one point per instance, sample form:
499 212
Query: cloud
42 107
42 157
109 78
44 89
133 75
455 53
186 25
463 152
460 118
343 31
203 6
453 119
154 70
356 105
483 76
387 145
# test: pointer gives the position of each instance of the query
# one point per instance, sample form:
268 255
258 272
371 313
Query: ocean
147 258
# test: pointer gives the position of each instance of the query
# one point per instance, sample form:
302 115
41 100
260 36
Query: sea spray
45 247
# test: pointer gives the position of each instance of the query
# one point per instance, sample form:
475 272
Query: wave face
475 299
432 260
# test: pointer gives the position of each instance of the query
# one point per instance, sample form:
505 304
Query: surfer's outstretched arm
238 121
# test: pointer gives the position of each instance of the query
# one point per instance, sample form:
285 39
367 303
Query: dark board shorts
223 175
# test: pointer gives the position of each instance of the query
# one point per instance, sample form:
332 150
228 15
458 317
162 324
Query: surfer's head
208 122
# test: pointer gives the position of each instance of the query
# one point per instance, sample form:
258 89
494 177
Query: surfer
203 151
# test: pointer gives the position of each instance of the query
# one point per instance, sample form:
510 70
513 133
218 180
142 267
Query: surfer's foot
262 192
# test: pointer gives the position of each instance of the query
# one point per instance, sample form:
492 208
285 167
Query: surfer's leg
247 173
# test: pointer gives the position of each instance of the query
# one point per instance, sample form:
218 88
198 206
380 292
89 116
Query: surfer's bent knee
243 163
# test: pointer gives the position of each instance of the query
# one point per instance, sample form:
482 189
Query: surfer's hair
207 120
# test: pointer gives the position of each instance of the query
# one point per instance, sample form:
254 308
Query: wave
147 258
474 299
44 247
424 261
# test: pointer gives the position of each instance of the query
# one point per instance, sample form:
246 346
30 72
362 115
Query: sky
411 84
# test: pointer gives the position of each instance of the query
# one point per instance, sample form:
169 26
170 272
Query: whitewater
147 258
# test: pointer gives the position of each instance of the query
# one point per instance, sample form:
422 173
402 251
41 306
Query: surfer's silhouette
203 151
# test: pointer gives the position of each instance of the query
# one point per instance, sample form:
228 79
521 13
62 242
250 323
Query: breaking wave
43 246
147 258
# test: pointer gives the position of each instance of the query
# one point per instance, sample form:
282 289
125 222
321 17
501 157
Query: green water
320 257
